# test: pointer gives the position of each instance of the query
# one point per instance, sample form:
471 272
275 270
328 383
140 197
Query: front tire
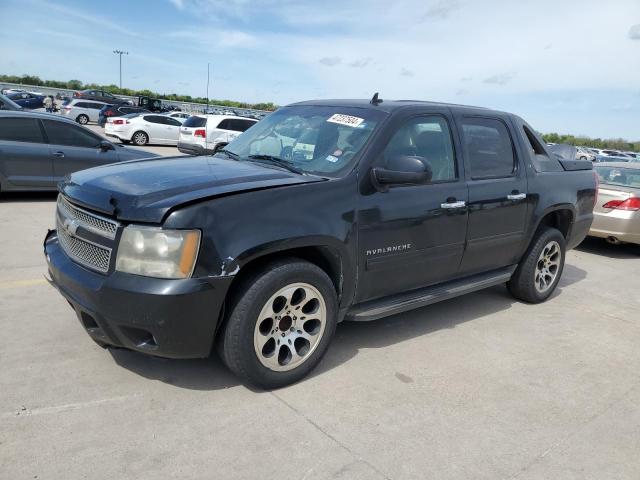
140 138
539 271
82 119
280 325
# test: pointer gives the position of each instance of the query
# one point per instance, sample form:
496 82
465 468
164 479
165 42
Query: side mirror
403 170
106 146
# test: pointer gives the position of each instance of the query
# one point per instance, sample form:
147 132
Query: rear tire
82 119
140 138
540 269
280 324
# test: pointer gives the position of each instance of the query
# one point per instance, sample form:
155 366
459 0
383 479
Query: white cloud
634 32
330 61
179 4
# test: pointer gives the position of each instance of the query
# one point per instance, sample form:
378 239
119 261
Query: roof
220 116
388 105
632 165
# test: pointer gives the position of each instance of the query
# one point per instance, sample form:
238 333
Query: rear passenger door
24 154
497 185
74 148
94 111
156 128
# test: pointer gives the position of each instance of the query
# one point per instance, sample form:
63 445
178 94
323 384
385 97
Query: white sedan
144 129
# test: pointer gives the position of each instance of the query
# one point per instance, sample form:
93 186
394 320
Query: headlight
154 252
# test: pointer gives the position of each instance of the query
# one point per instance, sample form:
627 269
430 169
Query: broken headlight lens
154 252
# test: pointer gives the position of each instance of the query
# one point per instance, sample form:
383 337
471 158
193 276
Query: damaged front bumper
167 318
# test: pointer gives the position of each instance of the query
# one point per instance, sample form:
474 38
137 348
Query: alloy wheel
548 266
290 327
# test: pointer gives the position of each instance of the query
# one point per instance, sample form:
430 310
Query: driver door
413 236
74 148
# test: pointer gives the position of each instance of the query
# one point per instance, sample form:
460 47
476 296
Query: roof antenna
375 100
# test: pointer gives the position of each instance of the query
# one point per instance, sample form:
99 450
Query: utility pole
207 86
120 53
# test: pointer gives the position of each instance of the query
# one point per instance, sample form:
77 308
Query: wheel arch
560 217
327 256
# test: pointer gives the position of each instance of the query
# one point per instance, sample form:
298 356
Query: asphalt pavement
479 387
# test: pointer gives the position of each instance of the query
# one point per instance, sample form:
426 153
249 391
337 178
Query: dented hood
145 190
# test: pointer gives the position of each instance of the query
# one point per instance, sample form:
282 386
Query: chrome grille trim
84 252
97 224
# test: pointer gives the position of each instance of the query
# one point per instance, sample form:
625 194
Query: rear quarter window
14 129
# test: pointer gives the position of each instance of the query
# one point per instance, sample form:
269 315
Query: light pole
120 53
207 87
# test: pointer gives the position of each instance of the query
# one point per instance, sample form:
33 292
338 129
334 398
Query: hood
130 153
145 190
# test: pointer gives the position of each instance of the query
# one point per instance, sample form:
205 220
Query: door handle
516 196
452 205
58 154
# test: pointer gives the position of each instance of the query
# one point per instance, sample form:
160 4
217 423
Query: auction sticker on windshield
347 120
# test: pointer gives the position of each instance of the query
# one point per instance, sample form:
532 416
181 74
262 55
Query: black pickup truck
322 212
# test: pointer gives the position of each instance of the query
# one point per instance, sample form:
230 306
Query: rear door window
225 124
13 129
240 125
63 133
154 119
489 148
172 121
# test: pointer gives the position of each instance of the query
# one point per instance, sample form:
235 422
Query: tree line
611 143
607 143
115 90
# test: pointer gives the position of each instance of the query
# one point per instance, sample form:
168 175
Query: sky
566 66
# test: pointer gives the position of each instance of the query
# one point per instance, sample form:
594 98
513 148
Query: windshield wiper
229 154
280 162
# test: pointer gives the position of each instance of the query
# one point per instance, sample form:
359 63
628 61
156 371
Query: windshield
623 177
313 139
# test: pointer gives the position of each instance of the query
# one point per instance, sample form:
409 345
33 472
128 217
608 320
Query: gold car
617 210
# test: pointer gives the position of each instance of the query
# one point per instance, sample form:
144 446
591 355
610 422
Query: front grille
84 252
78 232
97 224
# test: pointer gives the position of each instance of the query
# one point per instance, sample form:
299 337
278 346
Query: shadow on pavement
15 197
211 374
599 246
198 374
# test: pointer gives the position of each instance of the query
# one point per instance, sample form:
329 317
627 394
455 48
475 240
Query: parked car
418 201
7 91
113 111
144 129
178 115
617 212
205 134
584 153
38 149
7 104
99 95
27 100
612 156
82 111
